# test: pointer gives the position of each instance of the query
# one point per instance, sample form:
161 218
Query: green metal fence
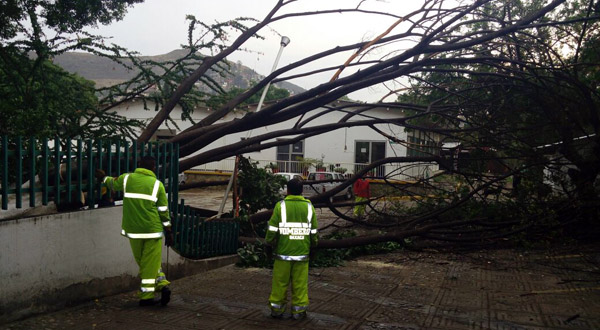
197 238
63 170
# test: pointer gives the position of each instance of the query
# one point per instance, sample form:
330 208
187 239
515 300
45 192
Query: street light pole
284 42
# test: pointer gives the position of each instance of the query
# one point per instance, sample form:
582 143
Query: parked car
181 178
288 176
319 188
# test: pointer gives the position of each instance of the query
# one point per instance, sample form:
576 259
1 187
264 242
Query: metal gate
197 238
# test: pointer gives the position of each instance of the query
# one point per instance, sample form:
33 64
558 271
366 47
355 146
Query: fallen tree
470 66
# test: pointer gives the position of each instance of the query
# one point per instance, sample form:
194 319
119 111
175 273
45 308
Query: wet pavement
501 289
496 289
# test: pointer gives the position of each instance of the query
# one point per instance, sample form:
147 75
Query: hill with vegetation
105 72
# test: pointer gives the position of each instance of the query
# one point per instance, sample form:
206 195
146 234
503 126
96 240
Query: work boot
276 315
165 296
148 302
299 316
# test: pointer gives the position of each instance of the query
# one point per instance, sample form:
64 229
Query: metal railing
196 238
225 165
42 170
398 171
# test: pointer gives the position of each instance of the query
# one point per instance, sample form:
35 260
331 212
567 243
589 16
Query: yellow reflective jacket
293 226
145 204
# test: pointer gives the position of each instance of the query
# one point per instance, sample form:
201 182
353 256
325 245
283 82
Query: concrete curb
186 267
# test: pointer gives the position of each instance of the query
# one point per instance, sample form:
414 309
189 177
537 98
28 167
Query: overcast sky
159 26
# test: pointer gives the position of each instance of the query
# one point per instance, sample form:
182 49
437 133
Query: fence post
172 202
186 232
68 171
194 230
80 170
100 166
4 172
91 173
44 171
32 155
204 244
159 164
163 157
179 225
118 158
19 178
56 171
176 173
134 147
127 155
118 151
109 159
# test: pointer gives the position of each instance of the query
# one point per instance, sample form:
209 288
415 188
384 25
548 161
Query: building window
366 152
420 144
163 134
288 156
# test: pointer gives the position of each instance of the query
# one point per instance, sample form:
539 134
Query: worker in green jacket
292 232
145 221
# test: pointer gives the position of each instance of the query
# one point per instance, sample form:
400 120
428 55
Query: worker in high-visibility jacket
145 221
292 232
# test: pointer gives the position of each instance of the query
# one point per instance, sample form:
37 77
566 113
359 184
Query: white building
344 148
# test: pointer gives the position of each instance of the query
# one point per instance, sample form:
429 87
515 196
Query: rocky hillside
106 72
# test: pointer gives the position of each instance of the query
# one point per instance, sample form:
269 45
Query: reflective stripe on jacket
145 204
293 226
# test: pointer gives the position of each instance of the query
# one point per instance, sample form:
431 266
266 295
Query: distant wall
51 261
193 176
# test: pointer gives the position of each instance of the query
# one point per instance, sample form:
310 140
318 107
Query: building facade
345 150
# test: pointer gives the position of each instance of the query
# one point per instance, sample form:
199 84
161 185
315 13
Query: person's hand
169 239
100 175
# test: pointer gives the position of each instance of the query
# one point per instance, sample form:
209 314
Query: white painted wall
51 260
54 251
333 147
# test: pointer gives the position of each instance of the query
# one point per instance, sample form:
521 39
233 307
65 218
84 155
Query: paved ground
502 289
406 290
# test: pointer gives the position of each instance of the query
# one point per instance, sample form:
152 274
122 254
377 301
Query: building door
288 156
366 152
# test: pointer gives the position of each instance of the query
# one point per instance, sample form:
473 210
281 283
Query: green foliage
532 210
38 98
336 257
31 85
306 163
531 105
52 102
254 255
340 170
274 93
60 15
333 257
260 189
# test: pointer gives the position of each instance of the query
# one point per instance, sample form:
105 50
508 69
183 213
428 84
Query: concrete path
501 289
